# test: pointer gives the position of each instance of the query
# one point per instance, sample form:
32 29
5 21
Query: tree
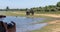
58 4
26 9
46 9
53 10
7 8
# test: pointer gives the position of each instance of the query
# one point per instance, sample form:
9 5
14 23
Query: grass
57 12
10 13
18 13
44 29
49 20
48 28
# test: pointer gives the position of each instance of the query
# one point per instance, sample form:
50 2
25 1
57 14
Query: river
24 24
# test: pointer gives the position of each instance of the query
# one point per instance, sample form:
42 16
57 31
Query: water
23 24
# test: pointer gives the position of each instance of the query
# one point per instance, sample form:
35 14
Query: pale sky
26 3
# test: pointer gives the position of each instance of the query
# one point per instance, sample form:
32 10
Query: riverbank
22 13
53 26
47 15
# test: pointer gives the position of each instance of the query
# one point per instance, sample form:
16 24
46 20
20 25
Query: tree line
50 8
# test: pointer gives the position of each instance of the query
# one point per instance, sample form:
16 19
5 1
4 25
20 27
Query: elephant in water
11 27
27 12
30 11
4 27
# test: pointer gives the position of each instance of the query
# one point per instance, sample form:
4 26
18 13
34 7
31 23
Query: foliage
50 8
7 8
58 4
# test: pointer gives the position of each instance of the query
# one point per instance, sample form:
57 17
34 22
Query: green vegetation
12 13
57 12
46 9
18 13
50 8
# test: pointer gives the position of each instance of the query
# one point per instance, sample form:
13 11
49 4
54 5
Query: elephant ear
13 23
10 26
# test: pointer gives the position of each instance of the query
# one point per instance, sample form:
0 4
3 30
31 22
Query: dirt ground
56 25
50 15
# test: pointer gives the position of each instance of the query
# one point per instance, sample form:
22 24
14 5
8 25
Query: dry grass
53 26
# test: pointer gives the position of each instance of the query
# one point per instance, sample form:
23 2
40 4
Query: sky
26 3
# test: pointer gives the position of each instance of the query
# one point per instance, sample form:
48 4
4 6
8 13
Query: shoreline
53 26
23 13
46 15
